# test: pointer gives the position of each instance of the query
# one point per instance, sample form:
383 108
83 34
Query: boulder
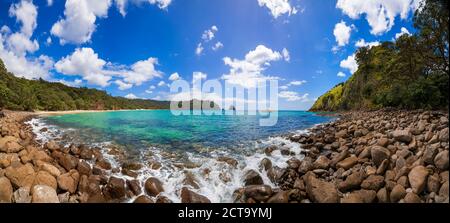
341 134
294 163
153 186
11 147
365 153
45 178
21 176
84 168
360 196
9 144
188 196
50 169
115 188
373 182
132 166
443 135
397 193
22 195
51 145
134 186
6 159
347 163
383 166
6 190
68 161
228 160
259 193
320 191
444 190
44 194
322 162
341 156
382 195
402 135
418 178
383 142
379 154
86 153
265 164
143 199
280 197
433 183
275 173
252 177
429 154
163 200
441 160
306 165
104 164
69 181
40 155
412 198
353 181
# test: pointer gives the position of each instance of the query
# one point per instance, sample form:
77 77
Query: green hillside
411 72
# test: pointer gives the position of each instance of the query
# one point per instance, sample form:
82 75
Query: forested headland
411 72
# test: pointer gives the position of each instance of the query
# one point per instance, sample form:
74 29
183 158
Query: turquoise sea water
158 136
161 128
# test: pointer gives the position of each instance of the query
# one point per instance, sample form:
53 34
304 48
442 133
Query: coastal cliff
411 72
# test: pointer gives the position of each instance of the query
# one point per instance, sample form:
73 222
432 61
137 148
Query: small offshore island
389 142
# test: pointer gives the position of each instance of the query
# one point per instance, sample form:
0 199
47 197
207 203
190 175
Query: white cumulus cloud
342 33
161 83
86 63
297 83
122 85
380 14
209 34
199 49
217 46
350 64
278 7
15 47
286 55
402 32
79 20
131 96
122 4
363 43
293 96
248 72
341 74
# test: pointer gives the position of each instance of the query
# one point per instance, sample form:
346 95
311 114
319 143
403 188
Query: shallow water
160 136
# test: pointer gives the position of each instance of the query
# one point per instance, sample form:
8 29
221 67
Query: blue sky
136 44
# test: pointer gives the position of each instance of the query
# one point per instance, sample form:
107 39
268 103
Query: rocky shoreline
49 173
363 157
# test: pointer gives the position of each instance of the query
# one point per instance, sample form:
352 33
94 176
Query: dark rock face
188 196
153 186
252 177
115 188
259 193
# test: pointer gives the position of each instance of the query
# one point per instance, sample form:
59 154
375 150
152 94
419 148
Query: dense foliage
411 72
30 95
